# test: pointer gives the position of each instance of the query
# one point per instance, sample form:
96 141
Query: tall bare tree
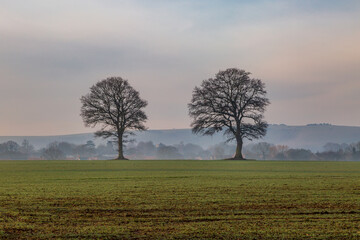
231 101
117 107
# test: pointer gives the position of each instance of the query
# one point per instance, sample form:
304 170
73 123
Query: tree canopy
233 102
117 107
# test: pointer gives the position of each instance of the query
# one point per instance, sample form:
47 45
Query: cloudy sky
51 51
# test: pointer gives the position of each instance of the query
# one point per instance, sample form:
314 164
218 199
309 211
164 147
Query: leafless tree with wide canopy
231 101
117 107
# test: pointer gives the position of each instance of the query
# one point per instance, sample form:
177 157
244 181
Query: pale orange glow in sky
51 52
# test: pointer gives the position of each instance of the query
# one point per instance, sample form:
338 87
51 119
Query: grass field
179 200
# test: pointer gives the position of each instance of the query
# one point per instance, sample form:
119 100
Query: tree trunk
238 154
120 148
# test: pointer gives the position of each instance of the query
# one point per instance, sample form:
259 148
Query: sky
307 52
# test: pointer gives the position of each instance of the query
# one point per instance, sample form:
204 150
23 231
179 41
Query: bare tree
232 101
26 148
263 149
117 107
52 152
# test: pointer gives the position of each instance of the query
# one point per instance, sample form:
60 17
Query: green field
179 200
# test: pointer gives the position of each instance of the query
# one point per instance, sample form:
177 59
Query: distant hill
42 141
312 136
168 137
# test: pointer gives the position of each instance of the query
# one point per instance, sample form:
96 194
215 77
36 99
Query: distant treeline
56 151
260 151
331 152
11 150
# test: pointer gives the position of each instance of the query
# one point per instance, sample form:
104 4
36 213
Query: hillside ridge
311 136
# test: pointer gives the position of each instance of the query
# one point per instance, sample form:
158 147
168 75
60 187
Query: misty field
179 199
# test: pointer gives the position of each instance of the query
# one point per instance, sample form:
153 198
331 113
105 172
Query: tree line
55 151
149 150
331 152
261 150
